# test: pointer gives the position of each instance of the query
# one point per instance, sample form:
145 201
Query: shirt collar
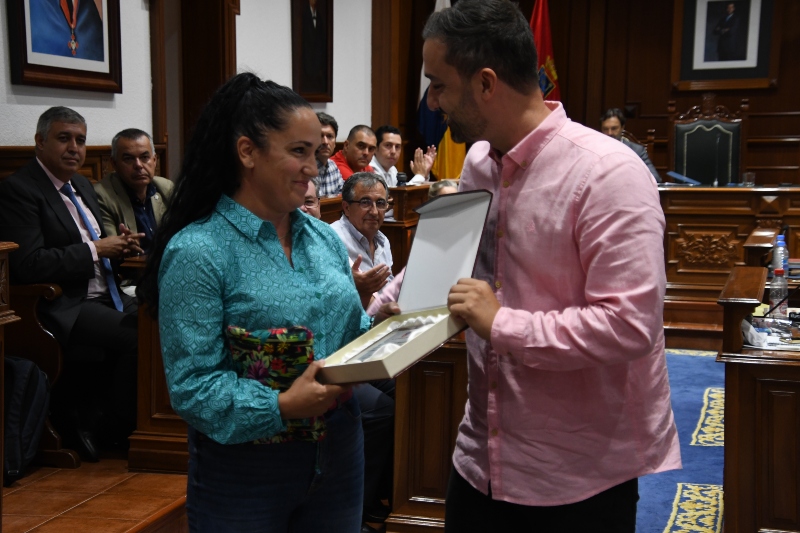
57 183
250 225
151 191
526 150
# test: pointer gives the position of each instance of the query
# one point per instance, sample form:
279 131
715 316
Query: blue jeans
289 487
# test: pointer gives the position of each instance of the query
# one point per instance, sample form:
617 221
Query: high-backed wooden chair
29 338
648 143
708 142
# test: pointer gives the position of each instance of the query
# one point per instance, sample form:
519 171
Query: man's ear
39 140
246 150
487 78
346 208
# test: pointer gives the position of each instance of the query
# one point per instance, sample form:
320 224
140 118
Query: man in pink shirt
569 400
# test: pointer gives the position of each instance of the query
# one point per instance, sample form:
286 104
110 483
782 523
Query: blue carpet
689 500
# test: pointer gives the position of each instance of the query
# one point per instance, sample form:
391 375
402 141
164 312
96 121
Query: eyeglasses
311 202
367 203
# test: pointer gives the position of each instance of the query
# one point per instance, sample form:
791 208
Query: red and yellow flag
540 25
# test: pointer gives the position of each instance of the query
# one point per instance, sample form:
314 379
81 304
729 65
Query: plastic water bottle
780 254
778 292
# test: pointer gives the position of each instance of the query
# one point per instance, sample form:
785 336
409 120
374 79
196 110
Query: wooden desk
330 209
159 442
7 316
762 419
429 406
709 232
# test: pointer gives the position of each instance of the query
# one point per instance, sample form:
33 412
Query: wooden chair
708 142
648 143
29 338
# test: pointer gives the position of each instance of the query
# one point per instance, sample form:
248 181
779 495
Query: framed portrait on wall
720 44
312 49
72 44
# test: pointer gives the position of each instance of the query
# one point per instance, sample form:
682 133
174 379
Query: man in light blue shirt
364 204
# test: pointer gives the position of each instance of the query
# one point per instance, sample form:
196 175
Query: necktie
109 274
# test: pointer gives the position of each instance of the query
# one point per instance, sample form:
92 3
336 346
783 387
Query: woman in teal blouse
233 259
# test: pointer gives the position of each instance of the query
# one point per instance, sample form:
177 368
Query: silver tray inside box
444 250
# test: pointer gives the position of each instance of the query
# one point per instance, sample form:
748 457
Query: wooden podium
762 419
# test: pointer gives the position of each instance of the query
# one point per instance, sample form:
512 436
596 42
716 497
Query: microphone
716 163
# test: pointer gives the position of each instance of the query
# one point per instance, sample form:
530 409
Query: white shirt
391 175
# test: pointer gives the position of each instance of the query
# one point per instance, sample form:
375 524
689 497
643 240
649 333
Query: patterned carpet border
696 509
710 430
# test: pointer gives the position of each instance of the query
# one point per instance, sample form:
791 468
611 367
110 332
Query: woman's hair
437 186
244 106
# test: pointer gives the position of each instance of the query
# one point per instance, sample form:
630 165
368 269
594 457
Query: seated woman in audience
242 281
392 289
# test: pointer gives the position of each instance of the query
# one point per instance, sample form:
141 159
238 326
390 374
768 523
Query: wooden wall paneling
96 166
208 33
382 61
158 75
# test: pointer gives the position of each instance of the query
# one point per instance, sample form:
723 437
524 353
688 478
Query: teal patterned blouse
231 270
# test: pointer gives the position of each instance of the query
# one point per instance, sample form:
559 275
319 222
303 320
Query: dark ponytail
244 106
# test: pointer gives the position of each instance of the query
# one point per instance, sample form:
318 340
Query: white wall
264 46
105 114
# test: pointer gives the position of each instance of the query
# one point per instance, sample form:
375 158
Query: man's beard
467 125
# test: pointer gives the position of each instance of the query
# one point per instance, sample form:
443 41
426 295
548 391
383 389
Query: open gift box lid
444 250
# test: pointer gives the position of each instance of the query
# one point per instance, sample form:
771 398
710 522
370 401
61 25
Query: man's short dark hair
356 129
315 181
367 179
383 130
612 113
57 114
327 120
131 134
487 34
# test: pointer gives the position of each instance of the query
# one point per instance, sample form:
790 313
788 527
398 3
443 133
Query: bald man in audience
357 152
133 196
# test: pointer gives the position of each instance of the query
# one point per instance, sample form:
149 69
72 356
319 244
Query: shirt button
500 234
506 184
494 433
498 284
493 385
524 164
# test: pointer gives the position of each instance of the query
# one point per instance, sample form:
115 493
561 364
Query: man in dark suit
612 123
52 213
727 30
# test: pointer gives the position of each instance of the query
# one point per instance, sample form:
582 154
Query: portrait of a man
312 20
727 31
68 28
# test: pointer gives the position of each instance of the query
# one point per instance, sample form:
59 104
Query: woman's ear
246 150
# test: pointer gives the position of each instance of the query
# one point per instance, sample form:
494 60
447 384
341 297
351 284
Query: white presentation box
444 250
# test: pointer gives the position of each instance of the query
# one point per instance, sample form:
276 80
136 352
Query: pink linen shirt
571 395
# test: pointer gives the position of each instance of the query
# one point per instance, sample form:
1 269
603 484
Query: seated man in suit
52 213
390 144
133 196
357 152
612 123
330 179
